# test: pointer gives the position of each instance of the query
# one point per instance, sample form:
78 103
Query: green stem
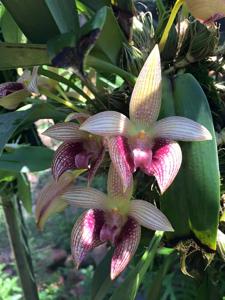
166 32
103 66
23 260
66 103
65 81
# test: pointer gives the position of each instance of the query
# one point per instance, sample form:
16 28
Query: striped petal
125 247
166 162
221 244
65 132
50 200
80 117
85 234
146 97
149 216
181 129
107 123
206 9
85 197
64 158
122 160
115 185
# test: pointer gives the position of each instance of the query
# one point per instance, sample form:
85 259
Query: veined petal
115 185
146 97
64 158
107 123
85 197
65 132
206 9
149 216
221 243
32 85
166 162
8 88
181 129
126 247
122 159
95 165
50 200
85 234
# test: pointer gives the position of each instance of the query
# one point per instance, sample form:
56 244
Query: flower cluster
140 142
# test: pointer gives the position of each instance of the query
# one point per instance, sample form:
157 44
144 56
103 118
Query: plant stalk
19 247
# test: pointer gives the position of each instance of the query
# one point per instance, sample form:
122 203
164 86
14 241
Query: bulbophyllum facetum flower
112 218
206 10
142 142
79 150
13 93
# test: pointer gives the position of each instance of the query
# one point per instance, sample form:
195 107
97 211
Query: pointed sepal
65 132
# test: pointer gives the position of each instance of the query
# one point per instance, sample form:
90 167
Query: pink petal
107 123
149 216
181 129
85 197
115 185
146 97
166 162
95 164
122 159
125 247
85 234
65 132
64 158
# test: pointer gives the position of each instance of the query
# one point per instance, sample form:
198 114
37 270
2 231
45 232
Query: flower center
111 229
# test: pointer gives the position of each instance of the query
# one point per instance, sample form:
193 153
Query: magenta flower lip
142 141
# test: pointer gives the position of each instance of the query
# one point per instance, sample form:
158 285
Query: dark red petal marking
126 247
85 234
95 164
64 158
10 87
122 158
166 162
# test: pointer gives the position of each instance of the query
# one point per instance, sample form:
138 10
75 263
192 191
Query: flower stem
67 103
166 32
103 66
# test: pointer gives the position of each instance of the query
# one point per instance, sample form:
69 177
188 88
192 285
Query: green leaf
14 122
65 15
24 191
129 288
101 282
26 159
97 4
195 193
22 55
10 30
110 31
33 18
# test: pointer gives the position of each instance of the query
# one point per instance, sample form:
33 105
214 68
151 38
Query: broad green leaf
26 159
10 30
22 55
192 202
33 18
129 288
101 282
16 121
24 191
97 4
64 14
109 31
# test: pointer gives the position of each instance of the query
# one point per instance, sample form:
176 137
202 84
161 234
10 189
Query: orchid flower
206 10
141 142
13 93
79 149
112 218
